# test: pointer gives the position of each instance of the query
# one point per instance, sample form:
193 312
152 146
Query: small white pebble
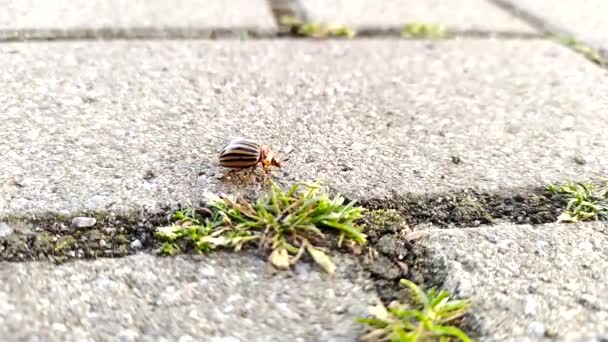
186 338
207 271
136 244
83 222
128 335
59 327
537 328
5 229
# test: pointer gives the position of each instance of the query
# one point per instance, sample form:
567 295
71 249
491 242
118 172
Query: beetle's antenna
287 154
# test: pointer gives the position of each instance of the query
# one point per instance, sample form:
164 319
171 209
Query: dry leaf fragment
321 258
279 258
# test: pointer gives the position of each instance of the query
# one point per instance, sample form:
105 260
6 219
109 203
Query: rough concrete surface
114 125
583 19
58 18
225 298
462 15
526 281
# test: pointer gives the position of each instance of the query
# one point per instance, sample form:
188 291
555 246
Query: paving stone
526 282
583 19
113 125
76 18
461 15
216 298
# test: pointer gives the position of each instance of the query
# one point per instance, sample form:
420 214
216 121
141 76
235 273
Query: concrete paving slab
111 125
215 298
84 18
461 15
585 19
527 282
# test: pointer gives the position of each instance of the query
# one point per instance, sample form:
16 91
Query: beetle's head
268 157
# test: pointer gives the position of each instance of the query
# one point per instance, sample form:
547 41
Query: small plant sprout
432 31
427 318
287 224
316 29
585 50
585 201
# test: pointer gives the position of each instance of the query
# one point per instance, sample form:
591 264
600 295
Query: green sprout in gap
586 201
287 224
316 29
428 319
432 31
584 49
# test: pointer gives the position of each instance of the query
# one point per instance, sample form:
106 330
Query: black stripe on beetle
242 153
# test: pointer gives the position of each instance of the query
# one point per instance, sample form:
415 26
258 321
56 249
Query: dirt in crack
471 208
392 226
57 239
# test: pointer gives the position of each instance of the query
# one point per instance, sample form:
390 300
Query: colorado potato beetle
244 153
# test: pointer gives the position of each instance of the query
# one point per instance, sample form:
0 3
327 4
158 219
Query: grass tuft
285 223
427 317
585 201
429 31
316 29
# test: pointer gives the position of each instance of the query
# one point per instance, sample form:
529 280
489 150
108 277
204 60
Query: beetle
243 153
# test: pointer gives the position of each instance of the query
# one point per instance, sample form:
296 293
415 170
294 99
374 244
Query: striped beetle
244 153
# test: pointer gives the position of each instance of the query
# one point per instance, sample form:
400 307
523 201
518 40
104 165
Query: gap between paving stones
136 33
228 34
49 235
53 238
294 9
389 258
554 32
279 8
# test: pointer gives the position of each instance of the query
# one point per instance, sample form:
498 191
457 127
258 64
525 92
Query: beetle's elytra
244 153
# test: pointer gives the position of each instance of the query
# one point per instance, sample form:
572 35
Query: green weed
585 50
316 29
287 224
585 201
427 317
432 31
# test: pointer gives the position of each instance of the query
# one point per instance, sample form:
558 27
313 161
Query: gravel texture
143 298
74 18
114 125
526 282
461 15
583 19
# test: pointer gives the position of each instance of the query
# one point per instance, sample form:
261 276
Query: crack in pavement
390 256
55 237
107 34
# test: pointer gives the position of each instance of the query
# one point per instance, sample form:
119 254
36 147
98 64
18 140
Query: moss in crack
467 209
53 238
471 207
14 246
120 239
43 243
382 221
391 240
65 243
